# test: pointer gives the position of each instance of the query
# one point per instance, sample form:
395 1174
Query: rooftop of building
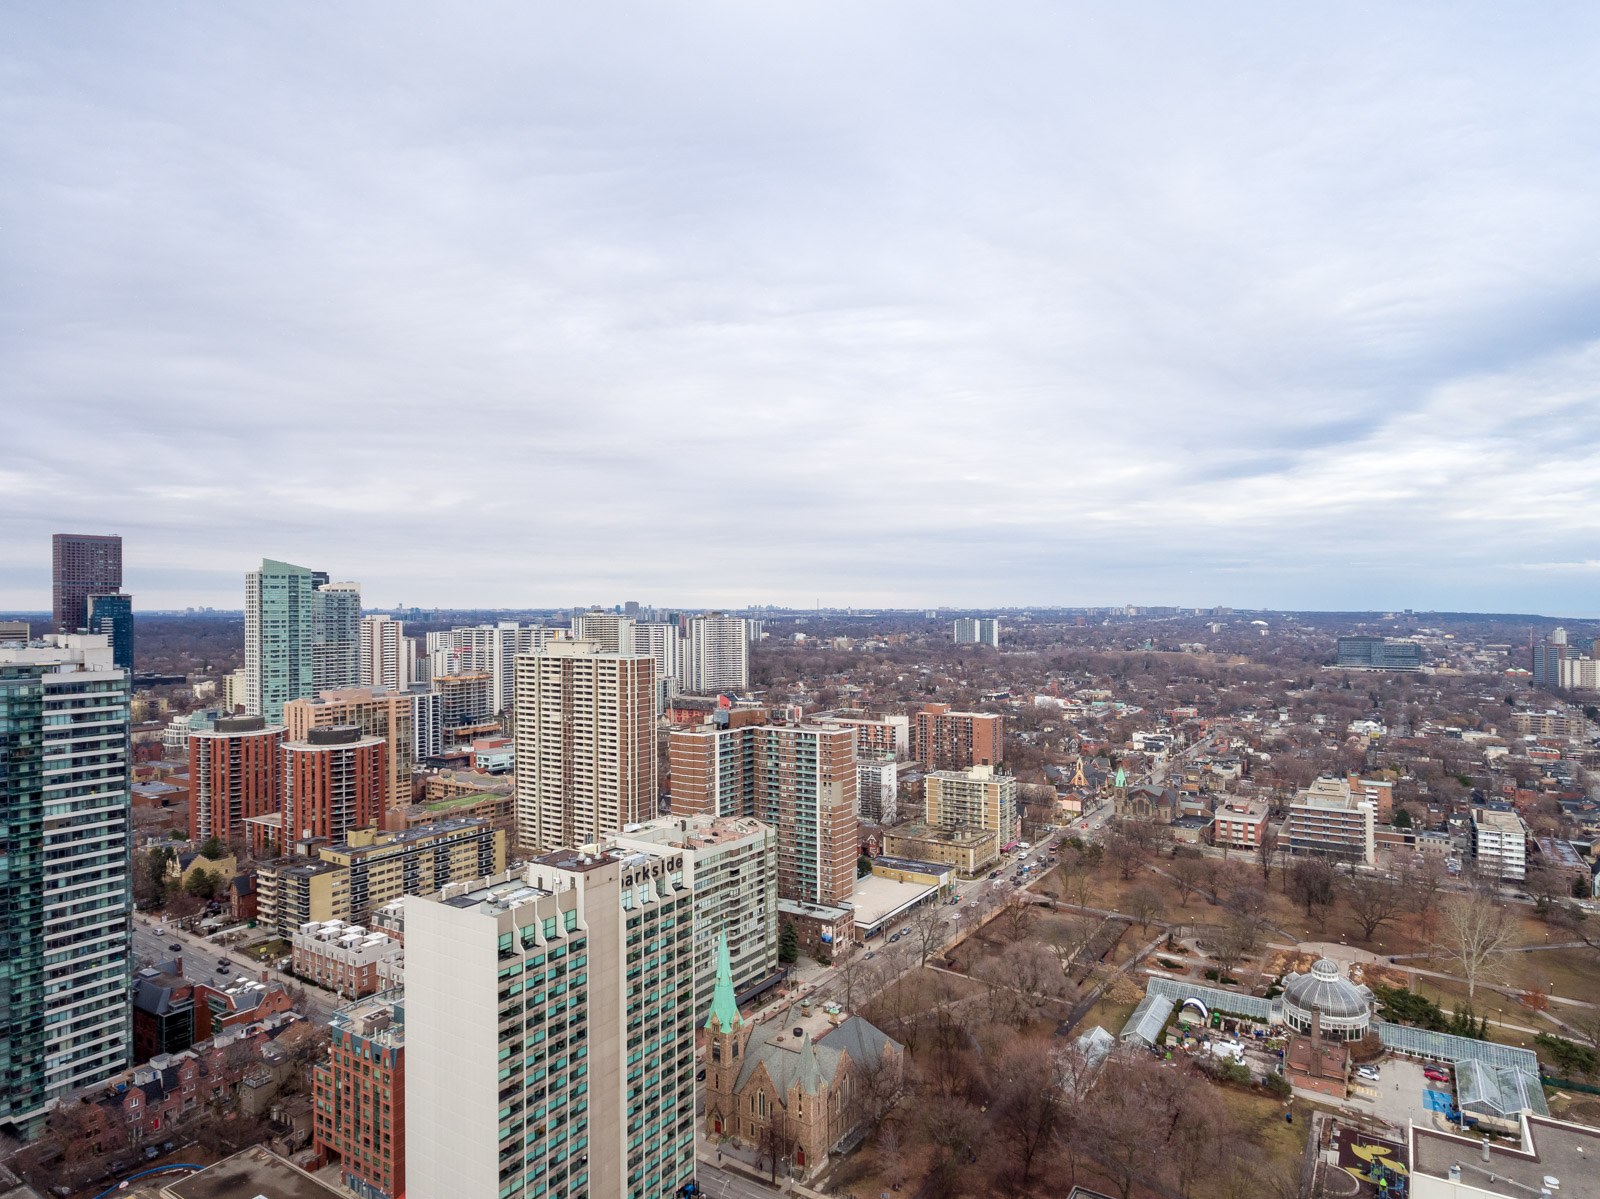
1505 822
695 832
911 864
300 867
956 834
1317 1058
1569 1153
383 841
494 895
876 897
814 911
253 1173
379 1018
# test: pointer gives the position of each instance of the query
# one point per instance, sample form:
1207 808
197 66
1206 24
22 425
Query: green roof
459 801
724 1006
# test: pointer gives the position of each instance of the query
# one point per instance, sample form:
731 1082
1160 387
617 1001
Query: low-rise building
1327 820
1500 845
345 958
967 849
494 755
1561 858
291 892
1239 824
822 928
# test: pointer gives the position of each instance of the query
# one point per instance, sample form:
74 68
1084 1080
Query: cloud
718 304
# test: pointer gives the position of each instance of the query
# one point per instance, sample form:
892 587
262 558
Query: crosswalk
1365 1092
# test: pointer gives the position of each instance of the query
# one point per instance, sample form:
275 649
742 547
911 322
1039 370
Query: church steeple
724 1006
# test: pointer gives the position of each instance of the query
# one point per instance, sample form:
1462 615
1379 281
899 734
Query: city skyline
1071 306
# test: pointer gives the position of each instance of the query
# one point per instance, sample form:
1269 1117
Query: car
222 969
1367 1072
896 937
175 948
151 1153
871 953
1434 1074
700 1077
906 931
994 874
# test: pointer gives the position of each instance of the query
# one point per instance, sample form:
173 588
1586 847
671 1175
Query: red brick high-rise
361 1098
81 565
235 773
946 740
333 782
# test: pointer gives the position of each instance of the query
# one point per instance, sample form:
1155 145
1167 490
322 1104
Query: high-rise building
427 721
717 657
235 693
335 636
550 1031
15 630
800 778
877 786
466 706
946 740
333 783
277 637
235 773
1379 653
977 630
65 947
490 648
111 614
81 565
388 656
973 798
377 712
731 868
664 643
361 1096
586 744
612 633
889 734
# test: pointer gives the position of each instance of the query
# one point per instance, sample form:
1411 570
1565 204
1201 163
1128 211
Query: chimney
1316 1024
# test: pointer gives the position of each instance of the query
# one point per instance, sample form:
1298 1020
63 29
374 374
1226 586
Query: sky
889 304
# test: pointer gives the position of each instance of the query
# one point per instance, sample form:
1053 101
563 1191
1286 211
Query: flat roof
1567 1152
251 1174
912 864
877 898
816 911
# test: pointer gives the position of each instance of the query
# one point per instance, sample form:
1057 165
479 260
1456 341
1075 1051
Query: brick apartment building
946 740
1239 824
360 1097
346 958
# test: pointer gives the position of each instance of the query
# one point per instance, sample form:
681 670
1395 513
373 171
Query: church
1155 805
795 1087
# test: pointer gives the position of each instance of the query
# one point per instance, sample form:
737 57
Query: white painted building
718 654
388 656
1500 845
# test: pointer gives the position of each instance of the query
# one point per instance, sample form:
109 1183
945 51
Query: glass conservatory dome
1345 1009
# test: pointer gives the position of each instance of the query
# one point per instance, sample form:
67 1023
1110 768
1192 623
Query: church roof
724 1006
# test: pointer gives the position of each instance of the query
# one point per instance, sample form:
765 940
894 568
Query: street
715 1183
200 957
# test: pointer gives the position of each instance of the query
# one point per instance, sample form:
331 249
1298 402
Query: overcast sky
870 303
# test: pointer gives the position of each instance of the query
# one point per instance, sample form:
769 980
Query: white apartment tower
335 636
550 1033
388 656
718 654
65 1019
586 744
731 867
1500 845
490 648
663 643
977 630
613 634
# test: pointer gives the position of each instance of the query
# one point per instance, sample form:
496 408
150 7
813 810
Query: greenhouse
1343 1009
1234 1003
1148 1019
1499 1091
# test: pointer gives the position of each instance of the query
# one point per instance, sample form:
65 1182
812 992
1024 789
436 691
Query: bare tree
1077 872
1374 902
1423 884
1017 918
928 931
1191 872
1473 931
1029 1105
1144 905
1311 882
1267 850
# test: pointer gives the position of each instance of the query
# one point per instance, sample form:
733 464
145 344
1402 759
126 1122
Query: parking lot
1398 1096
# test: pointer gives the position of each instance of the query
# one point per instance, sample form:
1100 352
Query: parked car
906 931
896 937
1434 1074
175 948
994 874
1369 1073
222 969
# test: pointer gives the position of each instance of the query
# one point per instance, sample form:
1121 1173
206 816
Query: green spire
1121 779
724 1007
